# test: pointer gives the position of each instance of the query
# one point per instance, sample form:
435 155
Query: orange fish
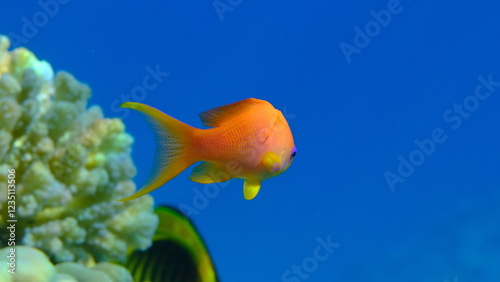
249 139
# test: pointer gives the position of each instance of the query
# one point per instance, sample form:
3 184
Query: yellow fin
208 172
217 116
251 188
271 160
172 145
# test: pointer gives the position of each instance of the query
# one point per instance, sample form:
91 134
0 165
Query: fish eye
294 152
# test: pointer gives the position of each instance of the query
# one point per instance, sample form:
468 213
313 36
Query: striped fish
178 253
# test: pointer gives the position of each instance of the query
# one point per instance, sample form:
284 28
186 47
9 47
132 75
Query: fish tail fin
173 143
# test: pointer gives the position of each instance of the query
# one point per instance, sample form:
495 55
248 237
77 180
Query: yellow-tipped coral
71 166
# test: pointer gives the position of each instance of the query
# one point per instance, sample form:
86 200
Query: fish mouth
280 168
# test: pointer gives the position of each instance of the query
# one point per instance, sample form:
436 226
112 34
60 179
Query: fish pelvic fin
172 154
251 188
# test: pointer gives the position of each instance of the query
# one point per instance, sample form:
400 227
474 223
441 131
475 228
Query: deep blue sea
394 107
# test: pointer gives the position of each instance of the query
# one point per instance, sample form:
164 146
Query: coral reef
34 266
71 165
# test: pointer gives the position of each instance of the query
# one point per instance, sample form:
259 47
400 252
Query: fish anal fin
208 172
217 116
251 188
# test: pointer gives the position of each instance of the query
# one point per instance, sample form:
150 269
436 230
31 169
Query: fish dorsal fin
251 188
217 116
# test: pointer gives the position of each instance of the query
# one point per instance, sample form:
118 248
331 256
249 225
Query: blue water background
351 122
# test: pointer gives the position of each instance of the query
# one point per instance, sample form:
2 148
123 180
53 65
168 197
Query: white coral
33 265
71 163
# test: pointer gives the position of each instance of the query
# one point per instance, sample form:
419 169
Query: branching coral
34 266
71 165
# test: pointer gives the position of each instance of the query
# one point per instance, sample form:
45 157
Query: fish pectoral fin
270 161
251 188
208 172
